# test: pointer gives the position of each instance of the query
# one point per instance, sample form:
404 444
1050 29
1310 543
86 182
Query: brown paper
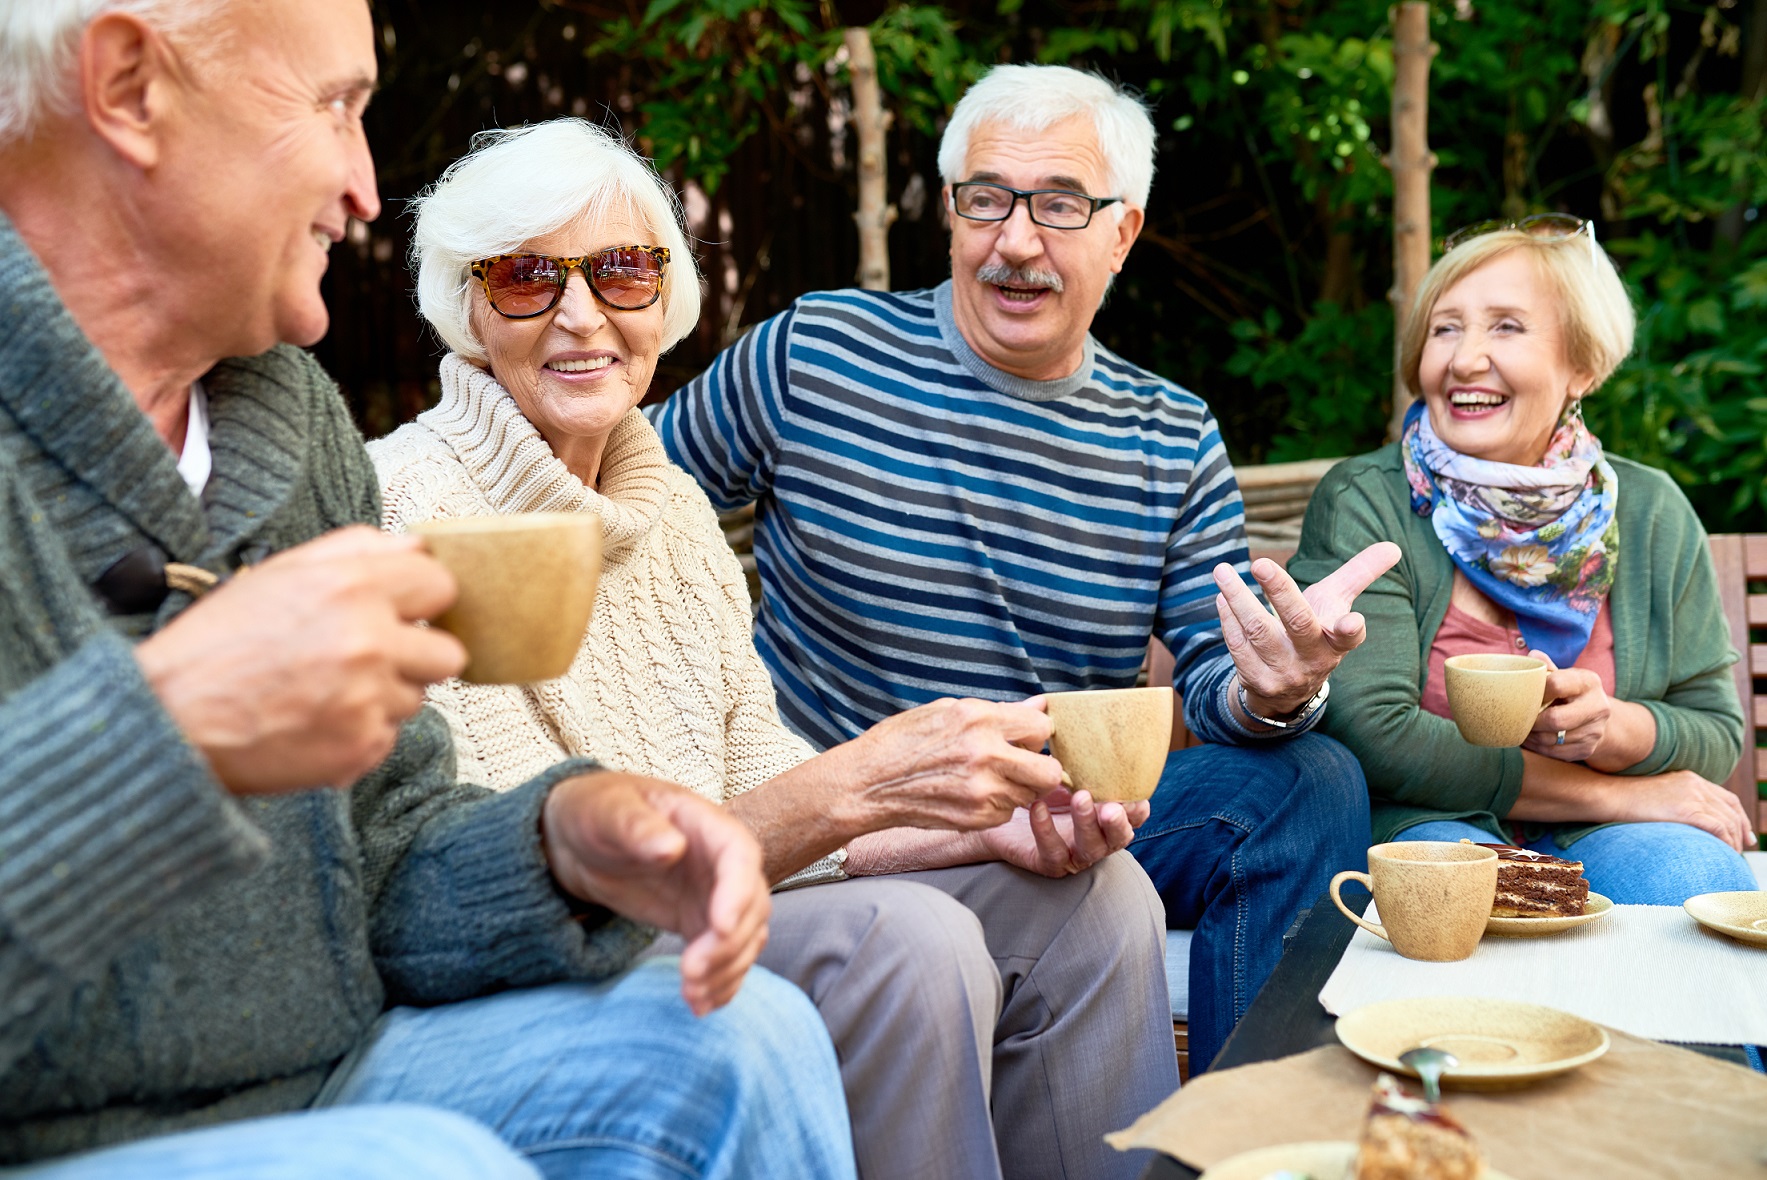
1644 1111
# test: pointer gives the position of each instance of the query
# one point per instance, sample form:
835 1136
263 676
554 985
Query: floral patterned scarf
1539 540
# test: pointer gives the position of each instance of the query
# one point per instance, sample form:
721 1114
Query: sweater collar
998 379
60 392
510 463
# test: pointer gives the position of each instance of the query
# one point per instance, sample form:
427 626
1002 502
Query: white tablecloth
1651 971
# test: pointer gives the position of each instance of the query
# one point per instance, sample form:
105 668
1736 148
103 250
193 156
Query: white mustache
1002 275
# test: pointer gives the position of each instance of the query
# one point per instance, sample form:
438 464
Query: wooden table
1286 1017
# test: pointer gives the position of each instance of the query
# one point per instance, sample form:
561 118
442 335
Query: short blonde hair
1597 313
523 183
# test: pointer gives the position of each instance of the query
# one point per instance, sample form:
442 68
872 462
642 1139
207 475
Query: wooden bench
1741 559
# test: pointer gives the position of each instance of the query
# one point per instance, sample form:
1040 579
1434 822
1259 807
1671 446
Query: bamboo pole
1411 163
875 213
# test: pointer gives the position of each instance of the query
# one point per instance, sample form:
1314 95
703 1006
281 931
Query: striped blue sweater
930 526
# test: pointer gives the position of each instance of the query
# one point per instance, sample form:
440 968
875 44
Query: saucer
1742 915
1500 1043
1318 1161
1595 907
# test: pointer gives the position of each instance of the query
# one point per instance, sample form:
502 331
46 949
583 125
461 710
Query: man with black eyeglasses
961 493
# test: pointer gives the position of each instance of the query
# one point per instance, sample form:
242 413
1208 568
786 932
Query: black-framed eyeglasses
1540 225
1054 208
522 286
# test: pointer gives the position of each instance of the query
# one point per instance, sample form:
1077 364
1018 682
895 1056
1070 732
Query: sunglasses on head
1540 225
522 286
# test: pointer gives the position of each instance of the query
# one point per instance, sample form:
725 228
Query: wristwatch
1292 720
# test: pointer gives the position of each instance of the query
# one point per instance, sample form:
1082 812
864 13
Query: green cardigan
1672 650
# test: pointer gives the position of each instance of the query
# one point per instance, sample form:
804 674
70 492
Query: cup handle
1337 883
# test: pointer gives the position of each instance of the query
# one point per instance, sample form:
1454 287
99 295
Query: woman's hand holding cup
1577 706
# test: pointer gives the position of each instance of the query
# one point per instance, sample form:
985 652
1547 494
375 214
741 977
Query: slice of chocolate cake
1534 885
1408 1138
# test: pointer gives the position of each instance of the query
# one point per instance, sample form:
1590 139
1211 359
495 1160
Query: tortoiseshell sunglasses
522 286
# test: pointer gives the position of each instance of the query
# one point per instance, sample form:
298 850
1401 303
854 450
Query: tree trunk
1754 86
875 213
1411 162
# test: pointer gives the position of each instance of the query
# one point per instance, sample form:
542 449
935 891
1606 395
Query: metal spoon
1429 1064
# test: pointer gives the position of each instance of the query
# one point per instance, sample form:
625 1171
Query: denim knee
1331 790
381 1141
1659 863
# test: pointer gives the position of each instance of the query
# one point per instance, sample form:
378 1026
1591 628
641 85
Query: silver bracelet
1295 719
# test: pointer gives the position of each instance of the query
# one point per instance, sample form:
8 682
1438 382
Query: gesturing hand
1063 833
661 855
298 673
1283 657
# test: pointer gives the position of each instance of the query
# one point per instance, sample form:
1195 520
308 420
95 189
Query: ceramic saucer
1315 1161
1743 916
1500 1043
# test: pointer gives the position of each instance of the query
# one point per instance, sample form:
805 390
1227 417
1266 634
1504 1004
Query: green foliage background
1261 278
1628 111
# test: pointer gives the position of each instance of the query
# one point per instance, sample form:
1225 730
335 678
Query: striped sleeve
724 426
1210 530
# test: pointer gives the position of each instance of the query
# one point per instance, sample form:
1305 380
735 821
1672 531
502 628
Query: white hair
1036 98
523 183
39 39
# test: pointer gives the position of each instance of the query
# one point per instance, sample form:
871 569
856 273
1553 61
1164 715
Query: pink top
1463 635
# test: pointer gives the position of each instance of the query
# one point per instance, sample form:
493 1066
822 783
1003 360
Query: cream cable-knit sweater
667 683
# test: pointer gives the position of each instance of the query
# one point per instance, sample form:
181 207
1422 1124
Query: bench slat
1758 610
1755 555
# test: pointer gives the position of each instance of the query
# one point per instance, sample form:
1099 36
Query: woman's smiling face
1495 373
576 370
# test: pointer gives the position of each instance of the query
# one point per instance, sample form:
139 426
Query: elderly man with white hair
988 1021
250 922
961 493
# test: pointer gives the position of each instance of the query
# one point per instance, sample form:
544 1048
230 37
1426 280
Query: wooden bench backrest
1741 558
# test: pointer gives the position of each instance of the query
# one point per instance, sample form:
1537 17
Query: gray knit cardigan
171 956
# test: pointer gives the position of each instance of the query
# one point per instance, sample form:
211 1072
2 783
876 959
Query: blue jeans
1630 864
614 1081
1240 839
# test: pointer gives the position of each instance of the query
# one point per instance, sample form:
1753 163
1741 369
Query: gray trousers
989 1022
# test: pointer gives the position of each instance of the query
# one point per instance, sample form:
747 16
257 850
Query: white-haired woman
1522 536
552 262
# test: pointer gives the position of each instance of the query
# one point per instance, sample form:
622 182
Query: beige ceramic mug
1112 742
1433 896
1495 699
527 586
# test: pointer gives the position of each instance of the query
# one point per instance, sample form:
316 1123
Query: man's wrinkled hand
661 855
1284 654
1063 834
958 765
298 673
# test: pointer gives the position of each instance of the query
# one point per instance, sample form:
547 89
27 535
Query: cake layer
1536 885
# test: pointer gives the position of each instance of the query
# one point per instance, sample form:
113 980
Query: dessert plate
1742 915
1595 907
1317 1161
1500 1043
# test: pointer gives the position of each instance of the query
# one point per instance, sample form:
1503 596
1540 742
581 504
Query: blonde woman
1522 535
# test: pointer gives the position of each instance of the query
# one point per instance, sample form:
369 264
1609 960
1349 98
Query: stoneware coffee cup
1433 896
527 585
1495 699
1112 742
